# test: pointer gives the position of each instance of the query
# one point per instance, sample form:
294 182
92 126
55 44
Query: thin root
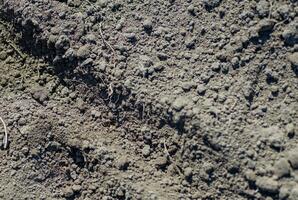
16 49
234 105
5 139
4 24
107 44
279 23
270 9
171 159
284 100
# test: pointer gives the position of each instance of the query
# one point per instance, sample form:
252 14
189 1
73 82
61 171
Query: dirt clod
173 99
293 158
282 168
267 185
123 163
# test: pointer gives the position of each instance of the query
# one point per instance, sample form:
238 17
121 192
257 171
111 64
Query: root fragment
16 49
171 159
5 139
107 44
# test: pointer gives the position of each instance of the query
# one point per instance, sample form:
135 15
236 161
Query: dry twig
5 139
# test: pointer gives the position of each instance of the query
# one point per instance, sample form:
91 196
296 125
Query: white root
5 139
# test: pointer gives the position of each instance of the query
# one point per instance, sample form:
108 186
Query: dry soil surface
139 99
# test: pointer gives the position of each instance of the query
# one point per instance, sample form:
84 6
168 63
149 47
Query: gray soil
139 99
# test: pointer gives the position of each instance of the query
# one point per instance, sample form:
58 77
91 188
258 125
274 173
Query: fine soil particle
168 99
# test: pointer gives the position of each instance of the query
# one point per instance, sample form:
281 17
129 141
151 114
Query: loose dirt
131 99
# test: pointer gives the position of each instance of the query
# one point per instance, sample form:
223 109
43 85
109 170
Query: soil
131 99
